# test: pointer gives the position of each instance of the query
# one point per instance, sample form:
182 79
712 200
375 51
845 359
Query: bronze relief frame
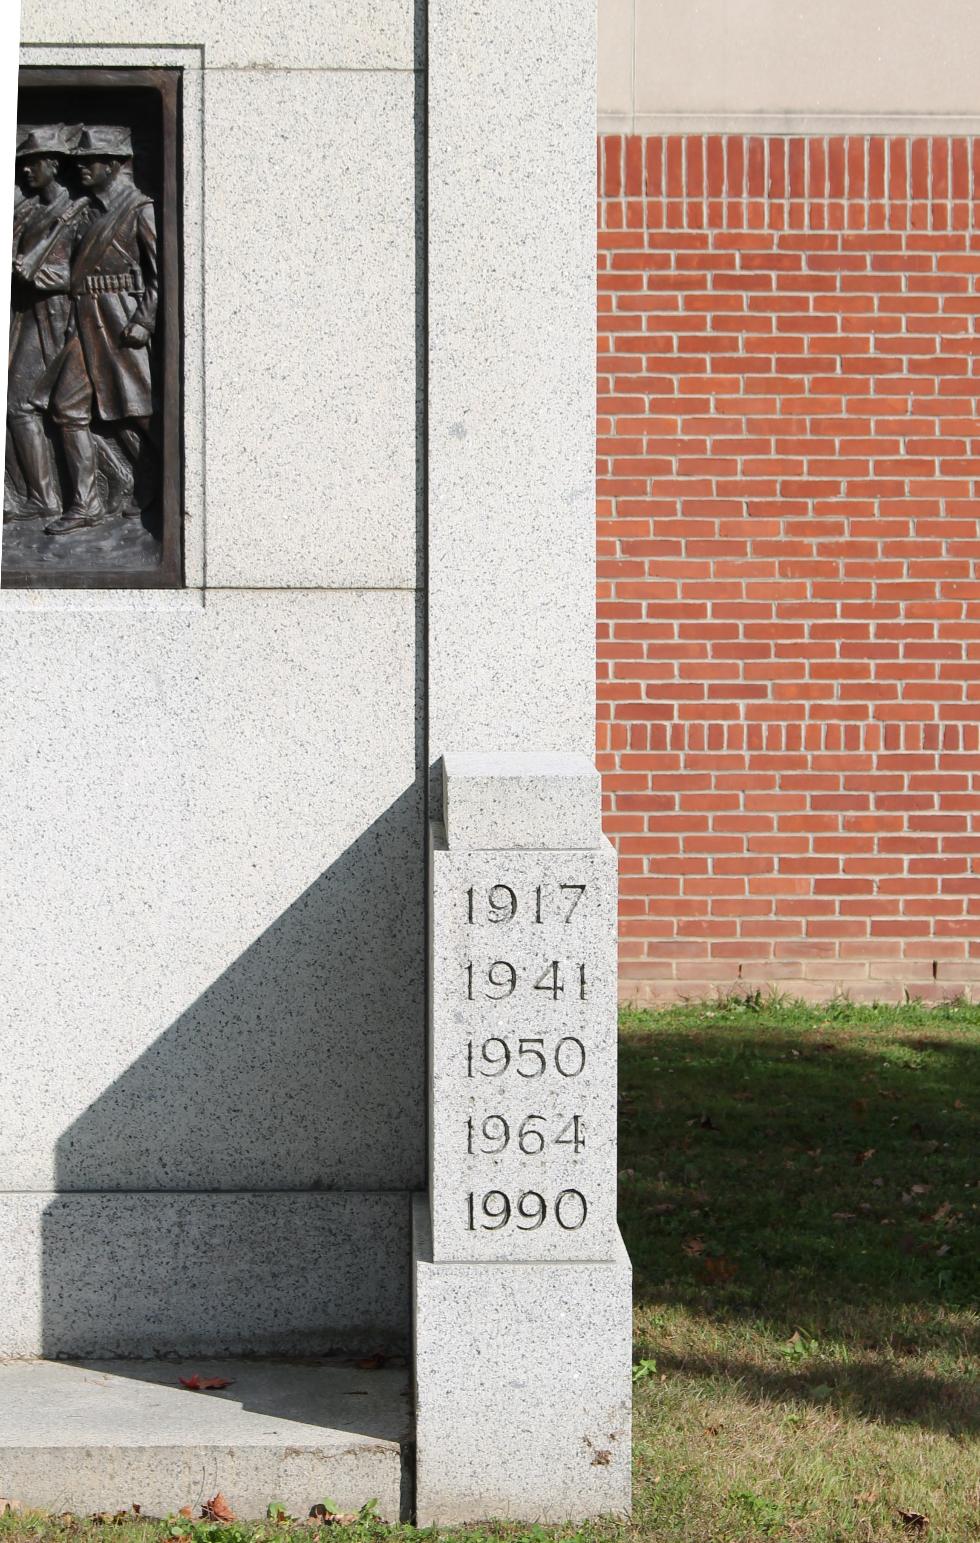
93 478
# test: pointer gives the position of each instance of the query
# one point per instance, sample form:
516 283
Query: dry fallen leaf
371 1363
320 1517
187 1511
914 1521
864 1157
693 1246
602 1459
719 1268
196 1384
217 1509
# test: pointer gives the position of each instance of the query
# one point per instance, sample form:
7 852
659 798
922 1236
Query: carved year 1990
530 1210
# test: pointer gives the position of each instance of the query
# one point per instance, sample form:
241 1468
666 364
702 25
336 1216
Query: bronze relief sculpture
45 219
90 479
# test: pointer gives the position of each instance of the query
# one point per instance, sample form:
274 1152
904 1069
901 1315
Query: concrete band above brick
769 64
788 547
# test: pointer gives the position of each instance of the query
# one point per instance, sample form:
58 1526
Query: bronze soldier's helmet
47 139
105 139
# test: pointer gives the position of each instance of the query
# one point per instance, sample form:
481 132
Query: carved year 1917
91 475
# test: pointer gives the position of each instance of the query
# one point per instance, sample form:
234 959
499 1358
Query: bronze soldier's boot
34 456
87 506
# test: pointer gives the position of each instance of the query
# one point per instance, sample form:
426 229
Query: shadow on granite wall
243 1186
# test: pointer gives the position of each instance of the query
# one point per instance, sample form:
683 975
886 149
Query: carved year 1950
91 484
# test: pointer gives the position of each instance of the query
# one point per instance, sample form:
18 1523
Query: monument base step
87 1436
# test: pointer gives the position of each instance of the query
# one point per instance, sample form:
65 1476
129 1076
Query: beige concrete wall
799 64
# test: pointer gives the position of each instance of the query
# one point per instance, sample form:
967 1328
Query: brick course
788 546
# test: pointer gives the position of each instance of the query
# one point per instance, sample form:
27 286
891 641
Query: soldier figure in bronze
45 222
104 365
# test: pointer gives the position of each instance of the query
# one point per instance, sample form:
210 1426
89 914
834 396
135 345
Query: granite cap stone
521 801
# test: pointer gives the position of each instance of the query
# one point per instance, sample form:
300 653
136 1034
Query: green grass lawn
801 1198
800 1195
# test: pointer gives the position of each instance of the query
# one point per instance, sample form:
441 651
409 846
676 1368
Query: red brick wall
789 635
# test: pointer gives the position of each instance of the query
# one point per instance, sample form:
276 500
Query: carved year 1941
91 484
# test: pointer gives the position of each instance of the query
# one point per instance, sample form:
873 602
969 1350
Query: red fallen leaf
196 1384
217 1509
718 1268
371 1363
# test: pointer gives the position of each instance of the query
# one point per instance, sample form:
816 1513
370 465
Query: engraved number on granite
579 890
501 980
551 980
493 1057
575 1210
495 1132
571 1210
502 903
577 1139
